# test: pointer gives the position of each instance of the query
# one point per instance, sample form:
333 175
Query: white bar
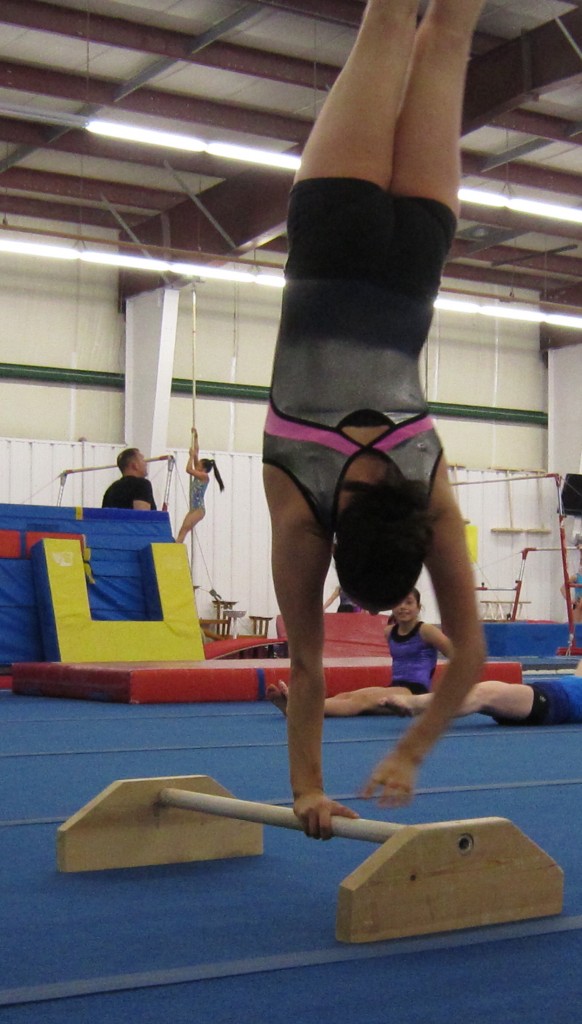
92 469
269 814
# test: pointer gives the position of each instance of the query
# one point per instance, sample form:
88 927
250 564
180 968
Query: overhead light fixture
190 144
55 252
263 157
501 311
534 207
241 275
247 274
151 137
41 116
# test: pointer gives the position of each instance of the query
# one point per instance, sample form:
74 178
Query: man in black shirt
133 490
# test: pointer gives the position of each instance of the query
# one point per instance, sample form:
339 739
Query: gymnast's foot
277 693
395 705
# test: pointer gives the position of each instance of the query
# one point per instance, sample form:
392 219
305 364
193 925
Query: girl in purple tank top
414 646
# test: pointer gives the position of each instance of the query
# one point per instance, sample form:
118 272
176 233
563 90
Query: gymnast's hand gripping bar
269 814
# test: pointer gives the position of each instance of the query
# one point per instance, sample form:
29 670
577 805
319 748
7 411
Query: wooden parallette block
125 826
422 879
445 876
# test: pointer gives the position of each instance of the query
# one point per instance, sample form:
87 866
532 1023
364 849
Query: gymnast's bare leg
492 697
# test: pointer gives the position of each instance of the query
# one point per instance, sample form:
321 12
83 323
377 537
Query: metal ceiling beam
66 213
163 104
200 42
169 45
71 186
543 126
250 208
522 69
532 175
520 223
563 266
336 12
485 275
493 85
80 143
570 294
99 92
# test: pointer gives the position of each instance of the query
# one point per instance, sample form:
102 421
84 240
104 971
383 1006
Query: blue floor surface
252 940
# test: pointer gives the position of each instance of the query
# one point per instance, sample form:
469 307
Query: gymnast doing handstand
351 454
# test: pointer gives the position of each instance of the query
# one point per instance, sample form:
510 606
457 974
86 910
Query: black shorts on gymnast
415 688
550 707
348 228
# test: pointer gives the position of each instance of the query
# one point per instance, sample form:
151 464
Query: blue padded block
48 629
54 526
20 635
125 568
117 595
116 541
505 639
119 615
128 528
128 514
16 584
106 556
150 586
24 513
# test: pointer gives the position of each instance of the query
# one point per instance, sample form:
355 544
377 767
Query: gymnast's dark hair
382 539
210 465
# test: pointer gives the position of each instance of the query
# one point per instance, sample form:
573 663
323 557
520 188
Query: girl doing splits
350 450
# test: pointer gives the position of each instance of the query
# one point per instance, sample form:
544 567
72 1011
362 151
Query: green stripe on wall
247 392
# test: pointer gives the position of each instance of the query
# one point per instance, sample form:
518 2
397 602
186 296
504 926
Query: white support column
564 409
150 340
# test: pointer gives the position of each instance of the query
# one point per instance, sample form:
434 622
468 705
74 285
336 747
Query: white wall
231 551
565 409
58 314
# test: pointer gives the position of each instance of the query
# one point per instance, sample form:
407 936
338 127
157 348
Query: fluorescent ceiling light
502 311
266 158
190 144
553 211
263 157
247 274
253 156
120 259
131 133
55 252
243 275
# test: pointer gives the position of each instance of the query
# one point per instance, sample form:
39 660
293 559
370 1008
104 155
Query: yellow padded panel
81 639
472 538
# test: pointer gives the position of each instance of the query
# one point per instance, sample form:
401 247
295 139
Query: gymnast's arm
300 558
436 638
452 578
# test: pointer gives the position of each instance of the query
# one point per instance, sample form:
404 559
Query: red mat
202 681
350 635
